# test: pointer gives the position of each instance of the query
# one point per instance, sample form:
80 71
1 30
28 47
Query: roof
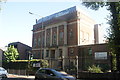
58 14
64 15
18 43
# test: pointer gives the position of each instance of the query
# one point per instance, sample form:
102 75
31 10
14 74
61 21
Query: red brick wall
75 51
22 50
72 28
38 27
82 50
36 54
35 36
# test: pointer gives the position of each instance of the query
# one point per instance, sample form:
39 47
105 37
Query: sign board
36 64
100 55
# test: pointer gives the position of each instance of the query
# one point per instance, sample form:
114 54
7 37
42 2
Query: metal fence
71 65
74 64
18 72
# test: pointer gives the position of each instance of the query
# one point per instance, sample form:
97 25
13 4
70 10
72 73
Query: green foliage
3 0
44 63
104 67
114 67
113 57
25 64
94 5
95 69
19 60
114 35
11 54
1 3
114 31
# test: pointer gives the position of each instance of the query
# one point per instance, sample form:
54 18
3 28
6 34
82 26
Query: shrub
94 69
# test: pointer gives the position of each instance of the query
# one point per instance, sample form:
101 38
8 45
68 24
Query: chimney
96 33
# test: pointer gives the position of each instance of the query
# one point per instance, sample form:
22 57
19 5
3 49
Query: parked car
3 73
52 74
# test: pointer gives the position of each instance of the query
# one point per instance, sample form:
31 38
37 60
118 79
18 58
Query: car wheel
4 76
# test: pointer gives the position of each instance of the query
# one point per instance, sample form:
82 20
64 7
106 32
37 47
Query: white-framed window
81 35
54 38
86 36
71 33
61 36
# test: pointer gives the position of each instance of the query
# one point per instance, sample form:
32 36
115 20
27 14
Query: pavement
23 76
19 76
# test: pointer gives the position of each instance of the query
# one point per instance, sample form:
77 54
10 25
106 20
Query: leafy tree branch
11 54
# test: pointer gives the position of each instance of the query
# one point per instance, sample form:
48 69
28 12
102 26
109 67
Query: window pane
54 38
47 53
35 42
71 33
61 36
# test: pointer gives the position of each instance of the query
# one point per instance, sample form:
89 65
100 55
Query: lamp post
42 31
37 15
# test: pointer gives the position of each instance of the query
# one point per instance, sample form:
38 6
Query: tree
1 3
114 32
11 54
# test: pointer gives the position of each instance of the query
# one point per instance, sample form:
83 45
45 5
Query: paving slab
19 76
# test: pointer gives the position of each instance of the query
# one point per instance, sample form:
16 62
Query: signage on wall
100 55
36 64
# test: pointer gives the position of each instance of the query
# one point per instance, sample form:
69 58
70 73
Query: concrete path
19 76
